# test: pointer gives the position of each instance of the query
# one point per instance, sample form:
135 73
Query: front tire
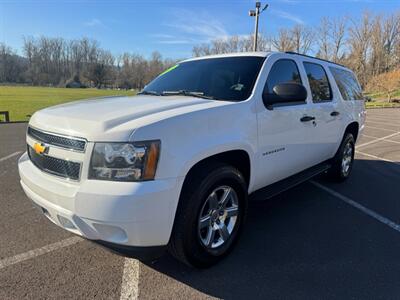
342 163
210 215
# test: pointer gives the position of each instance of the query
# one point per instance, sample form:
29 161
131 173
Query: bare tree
377 47
391 40
11 65
370 45
99 70
302 38
338 32
201 50
359 43
283 41
323 39
231 45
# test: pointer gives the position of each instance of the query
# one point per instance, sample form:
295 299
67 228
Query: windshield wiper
187 93
153 93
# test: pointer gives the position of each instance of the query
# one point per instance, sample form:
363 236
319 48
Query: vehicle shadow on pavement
306 243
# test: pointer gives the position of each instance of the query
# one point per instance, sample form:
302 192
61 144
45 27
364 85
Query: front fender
189 138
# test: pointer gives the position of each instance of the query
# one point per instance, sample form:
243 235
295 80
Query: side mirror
285 93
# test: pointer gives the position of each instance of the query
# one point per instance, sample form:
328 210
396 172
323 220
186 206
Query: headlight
124 161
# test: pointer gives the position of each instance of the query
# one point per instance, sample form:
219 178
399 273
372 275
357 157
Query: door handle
307 119
335 113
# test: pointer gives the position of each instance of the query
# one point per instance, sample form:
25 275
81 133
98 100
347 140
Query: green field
383 96
379 100
380 104
23 101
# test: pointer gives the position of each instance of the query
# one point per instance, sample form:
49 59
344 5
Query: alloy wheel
347 159
218 217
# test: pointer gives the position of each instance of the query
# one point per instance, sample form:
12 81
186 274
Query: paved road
318 240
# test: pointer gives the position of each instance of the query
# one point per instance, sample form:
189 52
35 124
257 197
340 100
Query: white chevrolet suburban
172 167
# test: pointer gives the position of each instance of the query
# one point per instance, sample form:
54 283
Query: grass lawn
383 96
379 100
375 104
22 101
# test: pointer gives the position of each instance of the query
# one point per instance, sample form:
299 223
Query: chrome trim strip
58 135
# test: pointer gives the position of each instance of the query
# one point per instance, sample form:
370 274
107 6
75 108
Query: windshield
225 78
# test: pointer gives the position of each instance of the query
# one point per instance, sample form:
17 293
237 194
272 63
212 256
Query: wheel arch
238 158
352 128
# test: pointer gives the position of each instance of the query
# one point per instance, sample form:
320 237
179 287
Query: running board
288 183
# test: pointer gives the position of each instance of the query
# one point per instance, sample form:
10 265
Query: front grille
56 140
55 166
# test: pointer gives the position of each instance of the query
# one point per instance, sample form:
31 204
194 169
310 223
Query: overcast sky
171 27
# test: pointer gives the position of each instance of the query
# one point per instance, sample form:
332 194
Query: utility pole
256 13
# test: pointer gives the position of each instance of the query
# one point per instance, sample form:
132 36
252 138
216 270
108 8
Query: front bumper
139 214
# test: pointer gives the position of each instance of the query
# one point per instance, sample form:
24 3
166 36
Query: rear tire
342 163
210 215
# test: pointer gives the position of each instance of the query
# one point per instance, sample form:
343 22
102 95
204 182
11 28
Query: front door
285 131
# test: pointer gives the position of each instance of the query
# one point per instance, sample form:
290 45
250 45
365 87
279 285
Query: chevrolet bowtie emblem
40 148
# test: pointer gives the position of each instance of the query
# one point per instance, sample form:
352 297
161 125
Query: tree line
369 45
59 62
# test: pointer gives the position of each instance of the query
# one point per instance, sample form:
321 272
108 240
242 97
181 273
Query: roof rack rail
309 56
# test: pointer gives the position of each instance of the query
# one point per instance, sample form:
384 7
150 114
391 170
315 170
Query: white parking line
384 120
383 123
392 141
388 122
375 137
380 128
130 280
377 157
10 156
378 139
360 207
382 116
39 251
370 136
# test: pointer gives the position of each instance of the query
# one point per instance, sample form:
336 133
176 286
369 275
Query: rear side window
283 71
347 83
319 83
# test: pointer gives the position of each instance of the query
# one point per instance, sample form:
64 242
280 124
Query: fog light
66 223
111 233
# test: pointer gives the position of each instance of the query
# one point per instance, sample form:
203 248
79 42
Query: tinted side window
319 83
283 71
347 83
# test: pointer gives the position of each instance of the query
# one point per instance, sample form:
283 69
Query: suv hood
114 118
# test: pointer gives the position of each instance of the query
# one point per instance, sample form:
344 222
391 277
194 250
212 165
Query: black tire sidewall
339 157
195 252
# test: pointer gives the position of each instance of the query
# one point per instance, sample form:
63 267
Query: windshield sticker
169 70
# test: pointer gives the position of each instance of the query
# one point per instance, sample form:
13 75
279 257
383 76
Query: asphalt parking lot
318 240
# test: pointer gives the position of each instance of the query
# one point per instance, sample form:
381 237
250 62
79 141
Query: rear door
352 99
285 142
324 106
